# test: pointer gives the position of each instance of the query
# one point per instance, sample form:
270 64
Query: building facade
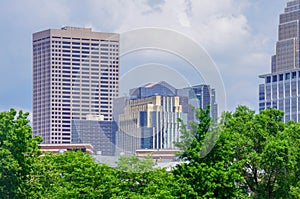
281 87
149 119
75 74
100 134
201 96
149 123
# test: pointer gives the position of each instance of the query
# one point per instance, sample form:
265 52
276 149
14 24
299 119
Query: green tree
139 179
135 164
214 174
256 155
267 149
18 150
73 175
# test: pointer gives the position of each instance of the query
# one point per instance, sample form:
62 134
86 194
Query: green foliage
295 191
157 183
267 150
190 138
135 164
144 181
256 156
18 150
72 175
138 179
214 175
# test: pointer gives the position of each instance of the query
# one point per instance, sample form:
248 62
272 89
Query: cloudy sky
238 35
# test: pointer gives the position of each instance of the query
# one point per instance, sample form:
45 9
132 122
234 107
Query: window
280 77
287 76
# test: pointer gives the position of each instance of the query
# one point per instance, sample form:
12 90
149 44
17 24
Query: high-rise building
281 87
100 134
75 76
149 119
205 97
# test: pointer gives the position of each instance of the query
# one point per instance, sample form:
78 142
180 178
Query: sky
238 36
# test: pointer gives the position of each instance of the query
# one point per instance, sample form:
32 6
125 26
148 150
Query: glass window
280 77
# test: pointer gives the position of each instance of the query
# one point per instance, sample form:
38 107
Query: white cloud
221 26
183 19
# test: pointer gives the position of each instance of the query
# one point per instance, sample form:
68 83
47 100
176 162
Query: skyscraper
281 87
205 96
75 77
148 118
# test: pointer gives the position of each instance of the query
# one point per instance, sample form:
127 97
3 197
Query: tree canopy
18 150
247 155
256 156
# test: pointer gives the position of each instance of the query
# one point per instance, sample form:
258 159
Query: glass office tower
281 87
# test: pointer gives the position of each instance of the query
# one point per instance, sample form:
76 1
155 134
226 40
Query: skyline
239 36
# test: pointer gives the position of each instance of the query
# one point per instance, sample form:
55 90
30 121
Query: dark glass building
100 134
201 96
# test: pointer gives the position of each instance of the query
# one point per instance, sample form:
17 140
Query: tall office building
201 96
75 76
149 119
281 87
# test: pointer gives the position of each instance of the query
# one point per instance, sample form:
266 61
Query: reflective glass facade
203 97
281 87
281 93
100 134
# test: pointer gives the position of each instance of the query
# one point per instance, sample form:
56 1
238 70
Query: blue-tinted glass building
281 87
160 88
201 96
100 134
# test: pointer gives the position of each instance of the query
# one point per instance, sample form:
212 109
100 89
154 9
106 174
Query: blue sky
238 35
